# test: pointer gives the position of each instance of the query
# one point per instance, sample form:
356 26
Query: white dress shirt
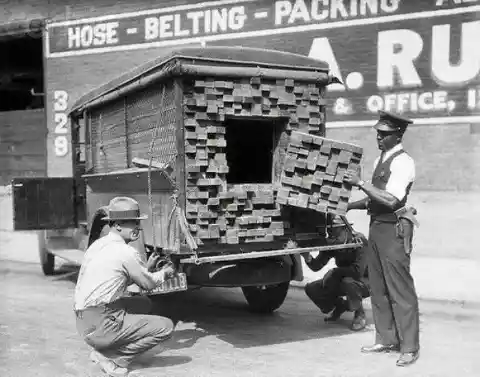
402 171
108 268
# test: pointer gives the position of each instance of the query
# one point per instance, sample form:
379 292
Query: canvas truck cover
183 61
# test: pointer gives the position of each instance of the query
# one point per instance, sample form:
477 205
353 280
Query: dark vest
380 178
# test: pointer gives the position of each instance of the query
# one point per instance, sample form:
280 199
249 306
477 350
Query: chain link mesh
144 115
123 130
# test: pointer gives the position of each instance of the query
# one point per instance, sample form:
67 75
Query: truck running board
267 254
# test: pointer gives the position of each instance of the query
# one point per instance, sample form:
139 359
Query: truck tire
47 259
267 298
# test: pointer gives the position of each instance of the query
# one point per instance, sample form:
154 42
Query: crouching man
118 327
348 279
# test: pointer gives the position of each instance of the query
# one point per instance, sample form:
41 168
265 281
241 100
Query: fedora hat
124 208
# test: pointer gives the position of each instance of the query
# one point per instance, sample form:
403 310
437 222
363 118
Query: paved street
217 336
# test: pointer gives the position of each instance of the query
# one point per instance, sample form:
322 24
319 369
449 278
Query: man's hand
152 261
168 270
352 178
307 257
358 237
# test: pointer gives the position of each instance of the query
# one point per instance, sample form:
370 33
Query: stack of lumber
242 215
248 213
313 173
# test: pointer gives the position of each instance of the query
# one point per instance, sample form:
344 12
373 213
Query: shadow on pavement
159 362
226 316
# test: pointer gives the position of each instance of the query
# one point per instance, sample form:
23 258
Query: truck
224 148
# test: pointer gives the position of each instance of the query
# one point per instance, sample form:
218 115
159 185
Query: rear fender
97 224
296 268
96 232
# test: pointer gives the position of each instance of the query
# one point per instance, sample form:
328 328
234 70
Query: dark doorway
250 148
21 73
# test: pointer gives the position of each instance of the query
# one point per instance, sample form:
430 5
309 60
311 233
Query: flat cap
390 122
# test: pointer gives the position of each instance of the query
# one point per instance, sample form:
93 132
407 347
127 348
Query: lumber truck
224 149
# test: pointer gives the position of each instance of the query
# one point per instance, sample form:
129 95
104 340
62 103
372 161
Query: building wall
418 58
447 157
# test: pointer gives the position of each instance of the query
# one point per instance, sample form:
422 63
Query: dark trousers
123 330
394 300
325 292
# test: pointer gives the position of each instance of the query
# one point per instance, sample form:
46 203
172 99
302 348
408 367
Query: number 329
60 105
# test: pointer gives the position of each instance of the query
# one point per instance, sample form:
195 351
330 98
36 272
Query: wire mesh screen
151 115
139 126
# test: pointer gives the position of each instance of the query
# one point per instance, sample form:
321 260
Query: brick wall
447 156
19 11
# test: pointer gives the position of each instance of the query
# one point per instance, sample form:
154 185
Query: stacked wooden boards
313 173
245 213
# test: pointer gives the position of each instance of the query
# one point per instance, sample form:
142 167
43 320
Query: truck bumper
240 273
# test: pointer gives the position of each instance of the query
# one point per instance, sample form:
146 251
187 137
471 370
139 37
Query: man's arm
380 196
373 193
402 172
317 263
139 274
359 204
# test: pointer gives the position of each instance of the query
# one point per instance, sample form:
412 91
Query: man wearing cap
393 296
348 278
118 327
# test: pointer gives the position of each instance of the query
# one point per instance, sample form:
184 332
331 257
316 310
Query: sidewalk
436 279
445 257
445 261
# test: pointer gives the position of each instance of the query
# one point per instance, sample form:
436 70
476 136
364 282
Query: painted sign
229 19
419 70
419 58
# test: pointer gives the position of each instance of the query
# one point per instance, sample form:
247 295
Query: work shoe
378 348
107 365
407 358
340 308
359 321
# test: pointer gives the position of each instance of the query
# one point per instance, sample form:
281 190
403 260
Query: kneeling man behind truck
119 327
348 279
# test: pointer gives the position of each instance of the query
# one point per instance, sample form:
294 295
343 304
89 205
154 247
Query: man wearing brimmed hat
118 327
393 296
348 278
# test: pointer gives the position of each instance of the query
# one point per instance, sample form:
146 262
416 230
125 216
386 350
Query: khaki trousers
123 330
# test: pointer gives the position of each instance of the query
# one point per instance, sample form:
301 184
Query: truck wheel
47 259
267 298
